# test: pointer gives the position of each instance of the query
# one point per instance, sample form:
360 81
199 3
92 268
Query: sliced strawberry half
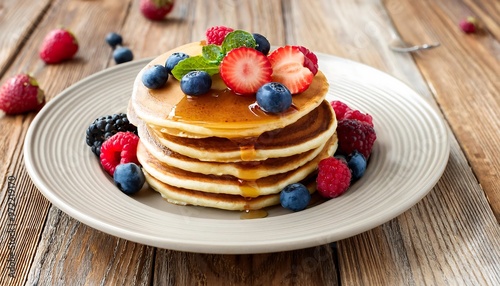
244 70
288 68
310 59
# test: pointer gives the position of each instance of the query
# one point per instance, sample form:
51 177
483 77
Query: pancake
229 184
242 170
219 113
185 197
309 132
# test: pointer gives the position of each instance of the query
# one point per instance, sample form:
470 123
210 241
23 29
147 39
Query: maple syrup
253 214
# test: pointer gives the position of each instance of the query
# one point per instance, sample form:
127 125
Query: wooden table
451 237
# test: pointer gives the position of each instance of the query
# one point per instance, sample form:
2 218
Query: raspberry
118 149
334 177
215 35
340 109
355 135
358 115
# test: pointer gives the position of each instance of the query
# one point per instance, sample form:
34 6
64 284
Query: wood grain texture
17 19
312 266
466 84
70 252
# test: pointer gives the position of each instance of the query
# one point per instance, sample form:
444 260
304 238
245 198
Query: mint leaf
212 53
236 39
196 63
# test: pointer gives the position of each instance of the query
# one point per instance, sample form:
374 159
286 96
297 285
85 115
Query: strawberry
58 45
288 68
245 70
156 9
310 59
20 94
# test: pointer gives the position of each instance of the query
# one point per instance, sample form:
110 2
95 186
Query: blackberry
106 126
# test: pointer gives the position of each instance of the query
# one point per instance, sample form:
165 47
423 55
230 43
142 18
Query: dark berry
274 97
357 164
113 39
295 197
196 83
122 55
355 135
155 77
174 59
106 126
129 178
263 44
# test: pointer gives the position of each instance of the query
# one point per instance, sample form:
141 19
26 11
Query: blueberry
174 59
113 39
196 83
129 178
122 55
295 197
263 44
357 164
155 77
274 97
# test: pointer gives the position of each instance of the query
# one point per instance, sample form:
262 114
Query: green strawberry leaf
236 39
196 63
212 53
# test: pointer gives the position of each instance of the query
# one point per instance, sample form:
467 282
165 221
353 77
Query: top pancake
219 113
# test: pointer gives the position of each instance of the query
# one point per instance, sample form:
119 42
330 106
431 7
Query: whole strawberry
58 45
156 9
20 94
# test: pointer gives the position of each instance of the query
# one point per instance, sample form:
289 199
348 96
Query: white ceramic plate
409 157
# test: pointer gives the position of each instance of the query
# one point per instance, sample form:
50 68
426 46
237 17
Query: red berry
215 35
355 135
358 115
244 70
334 177
57 46
156 9
118 149
288 68
340 109
21 93
468 25
310 59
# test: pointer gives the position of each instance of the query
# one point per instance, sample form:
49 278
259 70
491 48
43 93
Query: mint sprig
212 55
236 39
196 63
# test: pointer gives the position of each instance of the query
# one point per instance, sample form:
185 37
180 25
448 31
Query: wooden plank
17 19
71 252
312 266
428 243
465 84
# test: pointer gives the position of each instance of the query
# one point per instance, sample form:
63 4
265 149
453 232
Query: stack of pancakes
220 149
